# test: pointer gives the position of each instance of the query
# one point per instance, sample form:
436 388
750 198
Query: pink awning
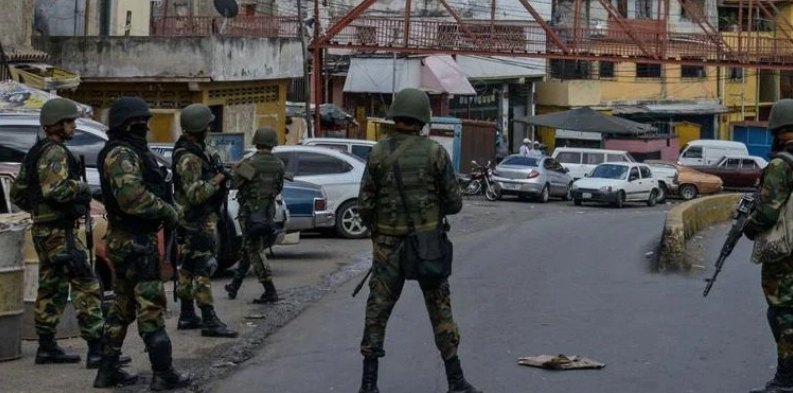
441 74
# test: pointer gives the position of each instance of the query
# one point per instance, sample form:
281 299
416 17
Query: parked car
689 182
736 172
706 152
667 175
617 183
531 177
338 172
18 134
581 161
357 147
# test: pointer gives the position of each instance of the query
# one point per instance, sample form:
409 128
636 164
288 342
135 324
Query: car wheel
545 194
348 222
577 202
662 192
620 202
653 198
688 192
569 194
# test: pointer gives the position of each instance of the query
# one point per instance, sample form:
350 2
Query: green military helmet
781 117
412 104
57 110
265 136
196 118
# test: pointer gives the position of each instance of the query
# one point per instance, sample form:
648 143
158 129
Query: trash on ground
224 364
561 362
255 316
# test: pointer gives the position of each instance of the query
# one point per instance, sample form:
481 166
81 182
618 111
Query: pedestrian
259 179
407 178
199 185
776 185
135 190
49 187
535 151
525 147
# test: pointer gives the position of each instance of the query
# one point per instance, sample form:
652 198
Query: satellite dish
227 8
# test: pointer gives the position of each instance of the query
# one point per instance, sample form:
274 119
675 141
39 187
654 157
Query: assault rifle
171 249
89 227
741 216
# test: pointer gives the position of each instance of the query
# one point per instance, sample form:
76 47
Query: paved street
576 283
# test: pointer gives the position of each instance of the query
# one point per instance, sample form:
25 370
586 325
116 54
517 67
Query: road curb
686 219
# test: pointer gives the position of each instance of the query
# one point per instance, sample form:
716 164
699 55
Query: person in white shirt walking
525 150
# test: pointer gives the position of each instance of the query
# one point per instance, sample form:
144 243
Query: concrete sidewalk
300 273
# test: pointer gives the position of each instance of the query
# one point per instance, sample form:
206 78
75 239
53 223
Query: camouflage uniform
201 196
259 179
431 191
776 186
135 189
49 187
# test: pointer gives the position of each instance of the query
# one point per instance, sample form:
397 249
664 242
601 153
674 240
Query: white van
581 161
707 152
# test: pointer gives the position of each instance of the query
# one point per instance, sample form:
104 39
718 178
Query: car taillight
319 204
533 174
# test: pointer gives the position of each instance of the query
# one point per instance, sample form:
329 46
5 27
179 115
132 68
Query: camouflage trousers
197 248
54 280
140 293
777 281
253 253
385 287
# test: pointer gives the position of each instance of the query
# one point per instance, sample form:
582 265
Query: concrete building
242 75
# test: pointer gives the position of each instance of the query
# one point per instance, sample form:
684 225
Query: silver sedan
540 178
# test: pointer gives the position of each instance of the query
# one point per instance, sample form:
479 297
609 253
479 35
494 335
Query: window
593 158
732 163
644 70
634 173
520 160
616 158
554 165
695 6
646 172
569 157
749 163
622 7
310 164
332 146
607 69
571 69
736 74
284 157
644 9
361 151
692 72
693 152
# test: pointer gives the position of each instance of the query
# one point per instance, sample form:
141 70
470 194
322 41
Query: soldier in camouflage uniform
776 185
135 189
199 182
259 179
49 187
431 191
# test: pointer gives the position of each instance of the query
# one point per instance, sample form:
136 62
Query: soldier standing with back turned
49 187
199 182
259 179
431 191
135 190
776 185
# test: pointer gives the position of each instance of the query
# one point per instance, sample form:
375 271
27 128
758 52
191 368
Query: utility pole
306 77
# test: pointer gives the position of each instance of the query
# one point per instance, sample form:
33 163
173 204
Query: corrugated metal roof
501 67
439 74
682 108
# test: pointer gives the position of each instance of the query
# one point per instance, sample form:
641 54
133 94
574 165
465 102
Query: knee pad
206 266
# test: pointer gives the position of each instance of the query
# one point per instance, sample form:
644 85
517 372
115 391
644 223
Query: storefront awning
44 76
441 74
16 97
433 74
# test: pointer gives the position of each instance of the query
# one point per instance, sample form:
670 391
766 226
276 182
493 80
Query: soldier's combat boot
369 378
94 357
454 375
160 355
212 326
270 295
187 317
234 286
783 380
50 352
111 374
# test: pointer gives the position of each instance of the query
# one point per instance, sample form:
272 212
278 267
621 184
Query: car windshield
609 171
520 160
17 140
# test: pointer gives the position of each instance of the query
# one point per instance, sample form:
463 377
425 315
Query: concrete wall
569 93
215 58
240 118
16 23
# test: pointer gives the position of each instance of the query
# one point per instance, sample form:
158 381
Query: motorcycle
481 178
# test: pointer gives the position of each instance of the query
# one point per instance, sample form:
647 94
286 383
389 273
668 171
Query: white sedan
617 183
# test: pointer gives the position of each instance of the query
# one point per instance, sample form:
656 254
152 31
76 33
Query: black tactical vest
43 210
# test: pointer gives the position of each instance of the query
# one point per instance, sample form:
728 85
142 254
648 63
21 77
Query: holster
145 258
76 260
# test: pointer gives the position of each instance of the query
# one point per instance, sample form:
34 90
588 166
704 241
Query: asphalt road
578 283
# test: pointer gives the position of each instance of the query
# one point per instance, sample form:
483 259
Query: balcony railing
259 26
